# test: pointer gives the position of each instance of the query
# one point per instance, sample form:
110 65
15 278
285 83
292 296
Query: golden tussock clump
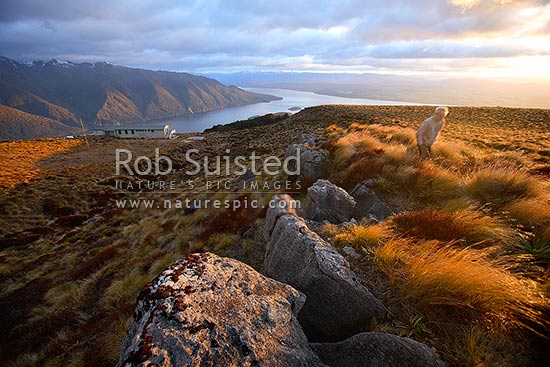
433 273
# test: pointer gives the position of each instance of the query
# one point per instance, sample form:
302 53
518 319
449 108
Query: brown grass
19 159
433 273
534 215
433 184
460 291
474 227
357 235
501 185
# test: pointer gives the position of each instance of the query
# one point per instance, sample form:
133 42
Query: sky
502 38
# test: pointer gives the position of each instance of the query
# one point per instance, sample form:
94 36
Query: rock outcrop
337 305
368 204
377 350
280 205
327 201
211 311
312 162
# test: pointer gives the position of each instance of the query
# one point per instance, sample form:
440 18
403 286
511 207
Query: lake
290 98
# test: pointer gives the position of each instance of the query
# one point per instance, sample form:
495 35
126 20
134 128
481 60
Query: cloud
199 35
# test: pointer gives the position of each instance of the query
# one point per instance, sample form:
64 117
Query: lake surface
290 98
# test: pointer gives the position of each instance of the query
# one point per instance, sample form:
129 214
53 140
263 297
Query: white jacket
427 132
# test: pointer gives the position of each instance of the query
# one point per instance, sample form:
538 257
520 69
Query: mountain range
39 99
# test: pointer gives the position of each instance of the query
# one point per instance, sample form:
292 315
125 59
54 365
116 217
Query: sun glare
530 67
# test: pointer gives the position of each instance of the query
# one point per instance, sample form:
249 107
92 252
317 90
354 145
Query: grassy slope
16 124
72 264
465 266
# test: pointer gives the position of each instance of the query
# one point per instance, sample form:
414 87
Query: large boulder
327 201
312 162
280 204
377 350
211 311
368 204
337 305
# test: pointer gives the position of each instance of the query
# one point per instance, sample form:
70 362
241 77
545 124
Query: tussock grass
507 159
530 212
353 145
499 186
399 155
470 225
357 235
362 168
534 215
25 360
406 136
397 176
448 151
236 221
455 259
388 134
150 231
459 203
435 274
433 184
475 346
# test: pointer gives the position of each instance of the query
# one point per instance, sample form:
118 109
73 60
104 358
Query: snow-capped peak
62 63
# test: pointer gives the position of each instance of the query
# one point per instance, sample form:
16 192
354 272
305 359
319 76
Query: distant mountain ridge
445 90
105 94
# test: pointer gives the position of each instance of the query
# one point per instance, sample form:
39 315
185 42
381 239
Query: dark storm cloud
194 35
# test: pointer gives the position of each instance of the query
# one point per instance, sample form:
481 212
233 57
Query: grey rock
308 139
351 222
211 311
350 251
312 162
377 350
327 201
368 204
337 304
279 205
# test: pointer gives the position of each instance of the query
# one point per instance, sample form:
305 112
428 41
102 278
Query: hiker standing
427 132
